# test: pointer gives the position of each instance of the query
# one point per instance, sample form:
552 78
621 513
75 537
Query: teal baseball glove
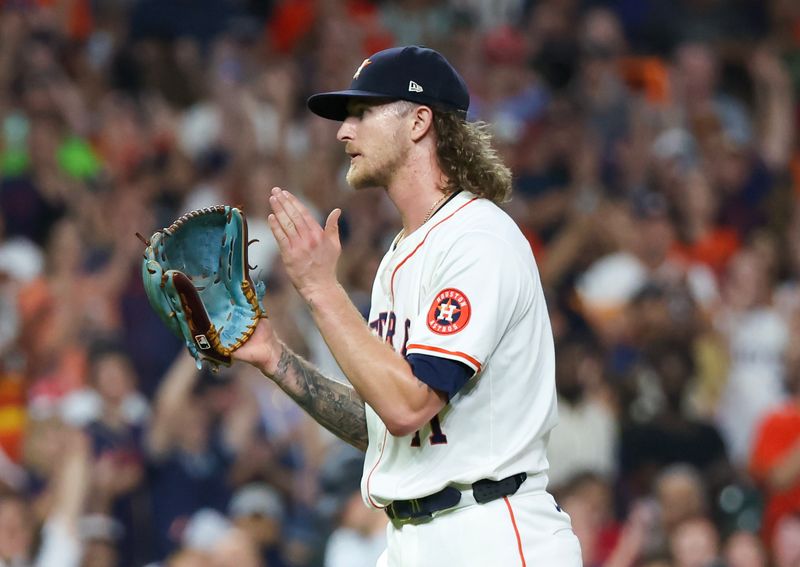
197 279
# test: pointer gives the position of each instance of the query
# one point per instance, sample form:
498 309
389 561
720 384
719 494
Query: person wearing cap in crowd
257 510
219 541
359 534
452 389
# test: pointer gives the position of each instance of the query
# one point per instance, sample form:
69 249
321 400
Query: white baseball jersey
465 286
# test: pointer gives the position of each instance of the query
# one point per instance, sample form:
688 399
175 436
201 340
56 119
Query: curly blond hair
465 155
467 158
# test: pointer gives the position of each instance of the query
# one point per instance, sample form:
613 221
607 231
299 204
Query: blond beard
379 176
366 180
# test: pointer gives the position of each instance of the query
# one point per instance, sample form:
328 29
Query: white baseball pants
526 529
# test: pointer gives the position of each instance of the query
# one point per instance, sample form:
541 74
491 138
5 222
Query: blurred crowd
656 174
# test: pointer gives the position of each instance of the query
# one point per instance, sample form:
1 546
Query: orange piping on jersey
414 251
463 355
516 531
375 466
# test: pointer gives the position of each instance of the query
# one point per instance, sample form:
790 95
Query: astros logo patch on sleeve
449 312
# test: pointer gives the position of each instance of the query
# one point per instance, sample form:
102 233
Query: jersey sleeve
441 374
479 285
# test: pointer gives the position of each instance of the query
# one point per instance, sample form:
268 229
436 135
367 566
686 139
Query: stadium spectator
257 510
359 534
188 452
744 549
657 177
756 336
586 435
775 457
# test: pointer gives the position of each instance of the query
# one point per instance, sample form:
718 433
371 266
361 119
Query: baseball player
453 390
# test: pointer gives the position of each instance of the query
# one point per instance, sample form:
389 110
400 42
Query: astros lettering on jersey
464 286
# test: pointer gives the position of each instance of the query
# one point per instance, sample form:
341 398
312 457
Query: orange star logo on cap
361 68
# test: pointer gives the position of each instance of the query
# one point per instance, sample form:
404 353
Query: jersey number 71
437 436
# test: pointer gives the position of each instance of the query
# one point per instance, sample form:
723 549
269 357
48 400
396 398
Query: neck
416 187
112 416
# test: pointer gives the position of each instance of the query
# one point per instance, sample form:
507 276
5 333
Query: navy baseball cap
414 73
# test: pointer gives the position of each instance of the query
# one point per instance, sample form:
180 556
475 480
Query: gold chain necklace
432 210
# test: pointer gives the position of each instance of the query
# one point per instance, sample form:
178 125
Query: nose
346 130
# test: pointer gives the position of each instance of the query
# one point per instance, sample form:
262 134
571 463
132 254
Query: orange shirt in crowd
795 168
714 249
647 75
12 414
777 435
77 14
294 20
56 360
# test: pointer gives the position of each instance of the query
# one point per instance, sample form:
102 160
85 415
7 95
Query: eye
358 110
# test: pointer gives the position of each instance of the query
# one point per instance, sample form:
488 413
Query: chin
360 180
352 179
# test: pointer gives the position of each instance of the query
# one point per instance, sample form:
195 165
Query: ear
422 122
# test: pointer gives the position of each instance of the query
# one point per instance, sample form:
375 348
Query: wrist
268 364
321 296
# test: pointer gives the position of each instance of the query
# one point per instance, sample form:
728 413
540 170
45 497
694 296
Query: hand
262 350
767 68
633 538
309 252
104 476
279 84
13 28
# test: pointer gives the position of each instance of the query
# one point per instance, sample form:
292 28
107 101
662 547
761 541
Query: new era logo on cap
388 75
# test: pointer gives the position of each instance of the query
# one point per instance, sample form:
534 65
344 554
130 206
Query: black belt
484 491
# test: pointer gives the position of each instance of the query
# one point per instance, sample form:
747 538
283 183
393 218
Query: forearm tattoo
334 405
